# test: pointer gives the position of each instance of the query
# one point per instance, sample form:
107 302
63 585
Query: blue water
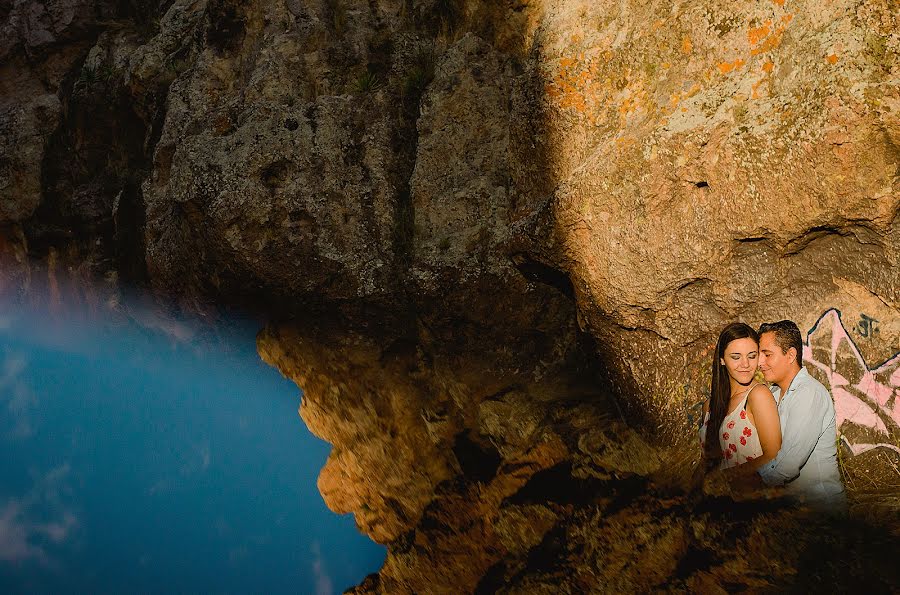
146 454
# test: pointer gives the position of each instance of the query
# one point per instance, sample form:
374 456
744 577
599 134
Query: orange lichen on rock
832 58
628 105
767 68
565 85
625 141
726 67
763 39
686 45
578 86
677 97
756 34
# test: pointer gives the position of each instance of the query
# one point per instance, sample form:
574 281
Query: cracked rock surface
498 241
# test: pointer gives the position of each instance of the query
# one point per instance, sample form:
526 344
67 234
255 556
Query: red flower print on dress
733 447
743 441
730 424
743 415
750 458
728 454
748 431
725 435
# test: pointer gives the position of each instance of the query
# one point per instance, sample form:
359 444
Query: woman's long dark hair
720 389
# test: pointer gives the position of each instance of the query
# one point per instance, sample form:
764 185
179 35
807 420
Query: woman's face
741 358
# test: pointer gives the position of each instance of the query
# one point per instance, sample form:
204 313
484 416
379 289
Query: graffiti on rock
866 400
867 326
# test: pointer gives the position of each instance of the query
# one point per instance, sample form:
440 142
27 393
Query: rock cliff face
500 239
722 163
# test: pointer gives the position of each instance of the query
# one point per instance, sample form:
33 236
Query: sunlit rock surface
503 237
722 162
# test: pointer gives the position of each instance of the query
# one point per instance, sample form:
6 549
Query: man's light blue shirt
807 462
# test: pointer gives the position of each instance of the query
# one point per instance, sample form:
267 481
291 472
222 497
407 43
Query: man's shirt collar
799 380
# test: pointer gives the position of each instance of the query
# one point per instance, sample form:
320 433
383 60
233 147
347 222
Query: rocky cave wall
498 240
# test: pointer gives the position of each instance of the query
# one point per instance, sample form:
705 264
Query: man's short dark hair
787 335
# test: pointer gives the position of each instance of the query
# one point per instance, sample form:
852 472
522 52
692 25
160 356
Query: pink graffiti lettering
866 401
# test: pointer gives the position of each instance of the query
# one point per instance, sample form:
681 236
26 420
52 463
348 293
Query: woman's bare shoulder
761 394
761 390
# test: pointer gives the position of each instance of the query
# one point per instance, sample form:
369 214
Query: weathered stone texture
722 162
505 236
39 44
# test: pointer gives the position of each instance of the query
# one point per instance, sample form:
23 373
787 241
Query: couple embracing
781 431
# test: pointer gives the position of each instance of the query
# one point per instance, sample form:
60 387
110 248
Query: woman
741 409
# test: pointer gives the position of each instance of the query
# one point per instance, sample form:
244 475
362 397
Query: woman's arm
764 414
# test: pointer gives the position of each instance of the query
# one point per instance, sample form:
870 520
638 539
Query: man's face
774 363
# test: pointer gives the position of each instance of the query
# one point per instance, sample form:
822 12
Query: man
807 462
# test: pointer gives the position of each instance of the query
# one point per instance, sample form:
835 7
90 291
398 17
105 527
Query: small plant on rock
421 73
368 82
88 75
91 75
